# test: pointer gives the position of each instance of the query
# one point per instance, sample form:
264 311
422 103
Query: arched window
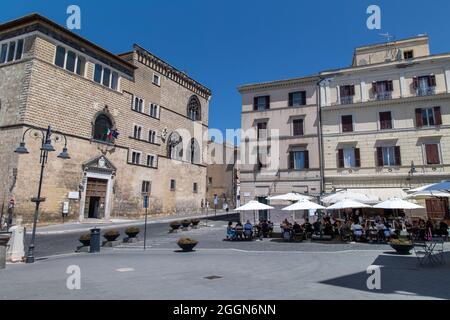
175 147
194 152
194 110
103 128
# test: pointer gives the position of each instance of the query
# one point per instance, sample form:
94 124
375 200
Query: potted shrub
85 239
175 225
187 244
186 223
132 232
111 235
401 246
195 222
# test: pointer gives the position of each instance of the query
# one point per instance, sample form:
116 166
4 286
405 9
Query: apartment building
386 121
280 141
134 124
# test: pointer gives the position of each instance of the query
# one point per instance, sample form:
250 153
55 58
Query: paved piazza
239 270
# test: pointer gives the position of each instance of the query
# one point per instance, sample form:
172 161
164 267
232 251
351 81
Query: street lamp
46 147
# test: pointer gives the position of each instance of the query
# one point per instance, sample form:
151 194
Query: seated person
345 231
231 233
270 223
265 229
317 226
239 229
308 227
357 230
297 228
328 229
248 229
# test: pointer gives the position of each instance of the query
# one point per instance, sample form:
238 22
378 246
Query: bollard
4 239
95 241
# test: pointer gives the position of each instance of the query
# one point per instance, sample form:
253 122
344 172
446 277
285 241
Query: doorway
95 198
263 214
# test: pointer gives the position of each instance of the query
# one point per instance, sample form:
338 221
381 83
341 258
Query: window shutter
419 120
389 85
357 158
291 99
379 157
432 80
352 90
432 152
255 103
306 159
342 91
398 157
303 98
291 160
268 102
437 116
416 83
374 87
341 163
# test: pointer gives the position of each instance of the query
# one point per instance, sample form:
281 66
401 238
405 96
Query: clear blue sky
226 43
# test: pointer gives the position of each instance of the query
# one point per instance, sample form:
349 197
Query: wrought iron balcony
428 91
346 100
384 96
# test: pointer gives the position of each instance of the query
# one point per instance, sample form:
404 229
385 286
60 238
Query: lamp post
46 147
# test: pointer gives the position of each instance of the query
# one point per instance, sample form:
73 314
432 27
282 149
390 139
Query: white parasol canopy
304 205
348 204
290 197
397 204
254 206
350 195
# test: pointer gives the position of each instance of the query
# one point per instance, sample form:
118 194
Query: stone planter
402 249
111 238
187 247
132 235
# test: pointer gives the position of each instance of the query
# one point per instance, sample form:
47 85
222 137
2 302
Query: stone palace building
135 125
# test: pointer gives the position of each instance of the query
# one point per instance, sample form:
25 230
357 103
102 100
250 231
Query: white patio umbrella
254 206
397 204
349 195
290 197
303 205
348 204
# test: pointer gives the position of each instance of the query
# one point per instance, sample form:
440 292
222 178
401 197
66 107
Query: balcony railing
347 100
429 91
384 96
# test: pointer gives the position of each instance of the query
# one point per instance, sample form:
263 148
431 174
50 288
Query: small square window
146 187
156 80
408 54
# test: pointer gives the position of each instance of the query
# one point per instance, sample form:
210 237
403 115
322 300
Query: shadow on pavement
402 275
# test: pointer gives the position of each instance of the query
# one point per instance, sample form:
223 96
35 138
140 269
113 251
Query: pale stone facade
36 92
290 124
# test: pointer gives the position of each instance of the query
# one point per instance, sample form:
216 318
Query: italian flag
108 133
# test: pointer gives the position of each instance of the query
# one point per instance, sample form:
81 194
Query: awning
383 194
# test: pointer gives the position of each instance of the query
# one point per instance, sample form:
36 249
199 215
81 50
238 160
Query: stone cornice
162 67
288 83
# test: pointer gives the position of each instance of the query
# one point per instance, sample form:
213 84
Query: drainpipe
320 134
320 138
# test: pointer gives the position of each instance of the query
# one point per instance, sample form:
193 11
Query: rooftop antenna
387 36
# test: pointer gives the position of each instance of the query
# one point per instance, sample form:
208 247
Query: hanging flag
115 134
